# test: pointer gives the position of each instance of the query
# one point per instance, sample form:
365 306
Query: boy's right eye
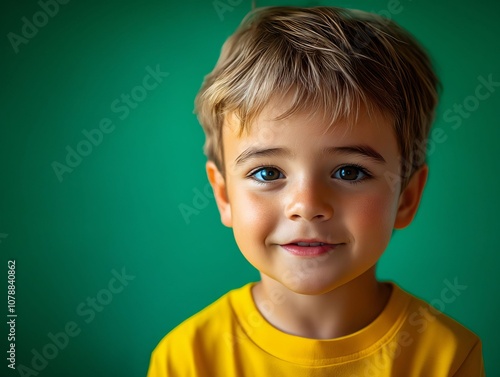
267 174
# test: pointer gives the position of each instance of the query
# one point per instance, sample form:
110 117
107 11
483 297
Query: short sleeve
473 365
157 366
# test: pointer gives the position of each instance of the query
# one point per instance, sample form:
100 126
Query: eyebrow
361 150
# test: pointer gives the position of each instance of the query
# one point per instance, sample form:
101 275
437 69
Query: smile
308 249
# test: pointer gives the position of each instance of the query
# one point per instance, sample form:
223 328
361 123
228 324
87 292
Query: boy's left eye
267 174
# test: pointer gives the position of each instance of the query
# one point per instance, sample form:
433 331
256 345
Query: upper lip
309 240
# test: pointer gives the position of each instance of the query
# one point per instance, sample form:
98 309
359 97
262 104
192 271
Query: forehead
365 125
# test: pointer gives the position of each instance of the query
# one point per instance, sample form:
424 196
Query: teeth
310 244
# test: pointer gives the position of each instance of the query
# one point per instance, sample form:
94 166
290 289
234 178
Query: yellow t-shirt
231 338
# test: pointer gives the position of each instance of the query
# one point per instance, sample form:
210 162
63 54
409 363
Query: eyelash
259 168
362 169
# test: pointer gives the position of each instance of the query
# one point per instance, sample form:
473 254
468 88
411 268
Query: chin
311 286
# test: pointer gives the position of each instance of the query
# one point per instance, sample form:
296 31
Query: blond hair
332 59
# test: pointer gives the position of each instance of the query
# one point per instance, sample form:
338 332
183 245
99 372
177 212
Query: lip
309 240
308 251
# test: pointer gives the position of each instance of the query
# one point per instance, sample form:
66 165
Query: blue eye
267 174
351 173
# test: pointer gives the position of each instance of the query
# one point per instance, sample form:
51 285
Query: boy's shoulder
422 315
428 336
423 320
213 318
212 328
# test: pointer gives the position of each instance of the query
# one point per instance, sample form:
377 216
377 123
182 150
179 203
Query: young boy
316 121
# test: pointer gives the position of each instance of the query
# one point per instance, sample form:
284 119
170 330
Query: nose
311 201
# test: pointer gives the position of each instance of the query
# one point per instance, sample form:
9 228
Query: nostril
310 205
311 217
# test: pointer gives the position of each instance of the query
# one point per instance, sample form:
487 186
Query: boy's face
291 181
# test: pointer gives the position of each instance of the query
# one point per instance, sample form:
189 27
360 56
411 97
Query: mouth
308 248
309 243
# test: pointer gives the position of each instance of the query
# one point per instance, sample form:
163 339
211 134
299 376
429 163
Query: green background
120 207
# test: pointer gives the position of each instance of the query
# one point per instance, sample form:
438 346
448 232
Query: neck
339 312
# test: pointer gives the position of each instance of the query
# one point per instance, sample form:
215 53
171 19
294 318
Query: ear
409 199
218 184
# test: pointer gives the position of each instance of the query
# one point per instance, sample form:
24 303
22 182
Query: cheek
373 217
254 220
254 216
